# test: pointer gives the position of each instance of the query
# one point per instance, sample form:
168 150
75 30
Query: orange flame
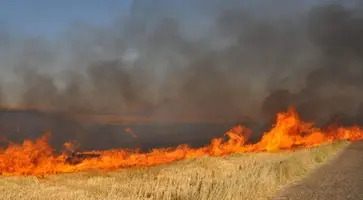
38 158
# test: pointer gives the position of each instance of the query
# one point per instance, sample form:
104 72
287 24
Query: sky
49 17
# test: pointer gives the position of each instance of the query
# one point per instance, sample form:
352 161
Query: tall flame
38 158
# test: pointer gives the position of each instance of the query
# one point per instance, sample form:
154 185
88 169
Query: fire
38 158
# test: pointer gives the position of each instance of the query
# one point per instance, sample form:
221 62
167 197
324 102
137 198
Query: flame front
38 158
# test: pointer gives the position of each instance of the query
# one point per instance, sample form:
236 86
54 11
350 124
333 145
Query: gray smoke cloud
332 90
221 59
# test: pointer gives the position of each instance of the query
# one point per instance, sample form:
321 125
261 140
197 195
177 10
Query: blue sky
48 17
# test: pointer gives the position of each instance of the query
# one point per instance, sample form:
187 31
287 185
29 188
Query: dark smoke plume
154 62
333 89
222 59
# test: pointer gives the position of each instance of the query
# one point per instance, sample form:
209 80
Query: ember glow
38 158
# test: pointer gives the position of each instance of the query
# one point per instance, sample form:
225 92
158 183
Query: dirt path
341 179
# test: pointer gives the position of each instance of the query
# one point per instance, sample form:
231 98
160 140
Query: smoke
221 60
162 62
333 89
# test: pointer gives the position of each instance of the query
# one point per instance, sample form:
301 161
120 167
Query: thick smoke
333 89
163 63
222 59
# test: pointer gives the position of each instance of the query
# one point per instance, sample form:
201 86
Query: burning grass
286 153
38 158
237 176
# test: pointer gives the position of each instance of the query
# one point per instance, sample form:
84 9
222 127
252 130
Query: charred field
103 132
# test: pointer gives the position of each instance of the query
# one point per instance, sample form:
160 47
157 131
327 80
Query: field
237 176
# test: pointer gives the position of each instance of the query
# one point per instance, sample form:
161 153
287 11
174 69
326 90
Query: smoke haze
160 61
206 59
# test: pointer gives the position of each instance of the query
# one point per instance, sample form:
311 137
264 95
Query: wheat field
238 176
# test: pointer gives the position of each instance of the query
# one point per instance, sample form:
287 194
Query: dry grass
239 176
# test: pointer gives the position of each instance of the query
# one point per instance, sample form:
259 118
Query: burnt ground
340 179
18 125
